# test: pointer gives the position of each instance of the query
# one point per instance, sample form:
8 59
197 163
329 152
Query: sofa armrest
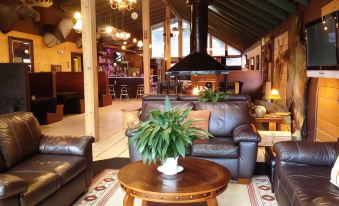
65 145
311 153
11 185
246 133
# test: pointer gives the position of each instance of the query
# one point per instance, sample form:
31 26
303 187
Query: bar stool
124 91
112 91
140 90
154 89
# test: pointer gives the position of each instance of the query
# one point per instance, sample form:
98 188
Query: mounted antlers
13 10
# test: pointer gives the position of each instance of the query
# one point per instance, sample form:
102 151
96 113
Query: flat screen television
322 43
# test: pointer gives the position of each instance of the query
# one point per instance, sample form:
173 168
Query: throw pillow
335 173
203 116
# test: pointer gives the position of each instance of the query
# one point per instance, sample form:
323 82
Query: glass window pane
233 61
232 51
158 42
218 47
174 42
186 38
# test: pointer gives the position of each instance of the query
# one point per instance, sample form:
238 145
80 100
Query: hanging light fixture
140 44
122 5
122 35
135 40
78 25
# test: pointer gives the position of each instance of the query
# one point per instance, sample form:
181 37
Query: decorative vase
170 167
260 111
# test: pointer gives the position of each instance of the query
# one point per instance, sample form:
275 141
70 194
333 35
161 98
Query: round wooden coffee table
200 181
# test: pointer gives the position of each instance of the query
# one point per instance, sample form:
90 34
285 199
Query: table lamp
273 95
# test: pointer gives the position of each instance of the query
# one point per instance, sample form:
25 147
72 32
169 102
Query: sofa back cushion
19 137
225 116
148 106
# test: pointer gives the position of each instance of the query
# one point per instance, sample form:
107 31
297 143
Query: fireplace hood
198 62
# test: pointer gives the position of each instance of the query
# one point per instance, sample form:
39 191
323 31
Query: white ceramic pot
170 167
260 111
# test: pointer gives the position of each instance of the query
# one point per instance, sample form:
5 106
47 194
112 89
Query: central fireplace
198 62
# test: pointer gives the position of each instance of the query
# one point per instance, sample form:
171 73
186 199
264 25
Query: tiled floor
113 142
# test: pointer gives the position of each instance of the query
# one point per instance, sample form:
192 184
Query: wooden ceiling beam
303 2
269 8
259 12
174 11
236 26
235 43
230 31
244 14
285 5
224 24
243 23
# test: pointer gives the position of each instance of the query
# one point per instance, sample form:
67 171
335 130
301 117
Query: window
235 61
158 41
218 47
186 38
174 42
232 51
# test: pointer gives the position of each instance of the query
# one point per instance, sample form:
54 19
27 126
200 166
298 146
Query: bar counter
130 81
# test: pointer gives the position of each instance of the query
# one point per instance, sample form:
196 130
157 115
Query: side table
194 184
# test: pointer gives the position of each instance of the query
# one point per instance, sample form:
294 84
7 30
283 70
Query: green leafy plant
166 135
208 95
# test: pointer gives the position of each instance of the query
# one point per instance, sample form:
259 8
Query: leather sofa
36 169
235 141
302 173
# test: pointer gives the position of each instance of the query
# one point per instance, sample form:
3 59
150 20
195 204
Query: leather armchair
235 141
40 169
302 174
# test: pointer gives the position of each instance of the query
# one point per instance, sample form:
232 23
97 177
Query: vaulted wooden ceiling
239 23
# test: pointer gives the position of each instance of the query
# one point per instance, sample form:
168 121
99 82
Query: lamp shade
273 95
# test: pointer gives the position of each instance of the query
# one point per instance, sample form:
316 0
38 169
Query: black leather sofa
302 173
36 169
235 141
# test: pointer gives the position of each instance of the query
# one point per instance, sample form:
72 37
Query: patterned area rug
105 190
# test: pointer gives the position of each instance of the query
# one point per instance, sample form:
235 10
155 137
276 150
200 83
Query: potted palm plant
165 137
208 95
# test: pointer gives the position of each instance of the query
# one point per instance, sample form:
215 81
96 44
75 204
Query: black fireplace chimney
198 61
199 25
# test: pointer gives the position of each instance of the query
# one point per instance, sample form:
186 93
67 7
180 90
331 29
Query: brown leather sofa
235 141
37 169
302 173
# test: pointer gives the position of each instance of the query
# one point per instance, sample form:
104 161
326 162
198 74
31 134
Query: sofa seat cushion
65 166
306 184
40 185
215 147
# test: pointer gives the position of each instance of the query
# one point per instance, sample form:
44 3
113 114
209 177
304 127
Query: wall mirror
21 51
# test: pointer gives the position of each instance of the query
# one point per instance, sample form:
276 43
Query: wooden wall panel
283 41
44 57
328 110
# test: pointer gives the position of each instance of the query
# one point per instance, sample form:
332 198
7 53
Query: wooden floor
113 142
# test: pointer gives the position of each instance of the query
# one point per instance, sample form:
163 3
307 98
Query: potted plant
208 95
165 137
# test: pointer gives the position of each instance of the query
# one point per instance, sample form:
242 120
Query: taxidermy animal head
60 33
12 11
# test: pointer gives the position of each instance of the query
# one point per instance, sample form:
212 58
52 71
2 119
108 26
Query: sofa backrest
225 116
148 106
19 138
